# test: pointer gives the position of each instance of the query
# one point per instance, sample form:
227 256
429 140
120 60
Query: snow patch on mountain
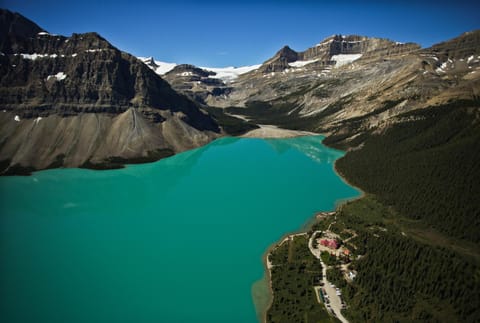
44 33
58 77
35 56
302 63
161 68
226 74
230 73
344 59
328 41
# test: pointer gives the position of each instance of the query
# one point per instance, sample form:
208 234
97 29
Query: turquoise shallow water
179 240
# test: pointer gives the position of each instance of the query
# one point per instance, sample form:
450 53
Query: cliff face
465 46
82 99
196 83
324 53
79 101
347 86
280 61
15 30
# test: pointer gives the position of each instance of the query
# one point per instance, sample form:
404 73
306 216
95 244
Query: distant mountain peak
280 61
463 46
335 50
287 53
150 62
161 68
13 28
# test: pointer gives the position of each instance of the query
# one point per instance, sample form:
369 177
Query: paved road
335 301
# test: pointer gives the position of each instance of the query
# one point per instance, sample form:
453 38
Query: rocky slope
79 101
331 51
197 83
201 84
347 85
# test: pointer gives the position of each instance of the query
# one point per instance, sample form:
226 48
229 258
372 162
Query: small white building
352 275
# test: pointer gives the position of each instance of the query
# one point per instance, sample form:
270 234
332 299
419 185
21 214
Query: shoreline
267 265
346 181
111 163
264 132
302 231
272 131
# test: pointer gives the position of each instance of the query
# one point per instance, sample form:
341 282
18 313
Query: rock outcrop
79 101
324 53
280 61
15 30
348 85
196 83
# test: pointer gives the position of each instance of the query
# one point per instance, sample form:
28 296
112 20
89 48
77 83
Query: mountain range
408 117
80 102
344 85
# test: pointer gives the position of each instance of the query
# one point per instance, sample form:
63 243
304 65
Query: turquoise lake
178 240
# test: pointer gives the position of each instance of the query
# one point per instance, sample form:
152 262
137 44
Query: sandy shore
269 131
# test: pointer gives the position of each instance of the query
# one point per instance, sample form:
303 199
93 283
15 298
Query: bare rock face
79 101
14 29
280 61
73 101
464 46
325 52
196 83
377 81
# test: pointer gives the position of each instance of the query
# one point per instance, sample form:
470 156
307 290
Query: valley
407 118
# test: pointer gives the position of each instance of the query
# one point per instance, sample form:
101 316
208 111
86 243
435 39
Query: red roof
330 243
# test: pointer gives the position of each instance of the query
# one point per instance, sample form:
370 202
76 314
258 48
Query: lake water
179 240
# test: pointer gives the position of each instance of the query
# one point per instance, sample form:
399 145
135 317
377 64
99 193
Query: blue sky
235 33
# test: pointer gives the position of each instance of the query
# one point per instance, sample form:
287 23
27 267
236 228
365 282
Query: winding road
335 301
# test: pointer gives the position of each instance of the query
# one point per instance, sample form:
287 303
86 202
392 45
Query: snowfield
344 59
302 63
226 74
162 67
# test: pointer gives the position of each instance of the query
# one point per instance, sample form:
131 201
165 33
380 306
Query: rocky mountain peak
196 83
287 53
280 61
14 28
190 70
18 35
461 47
90 41
13 23
324 52
49 82
150 62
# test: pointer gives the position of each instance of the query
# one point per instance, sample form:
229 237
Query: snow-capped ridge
230 73
159 67
226 74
